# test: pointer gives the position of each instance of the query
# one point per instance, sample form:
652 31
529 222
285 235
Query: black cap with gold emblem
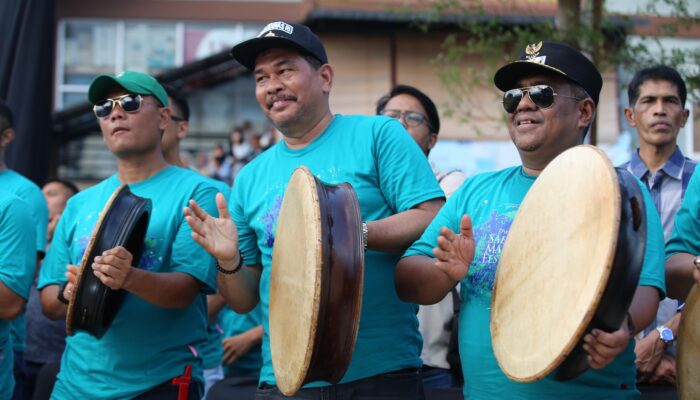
551 57
279 35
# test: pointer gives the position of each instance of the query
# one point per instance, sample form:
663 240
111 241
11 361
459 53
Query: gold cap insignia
270 34
532 50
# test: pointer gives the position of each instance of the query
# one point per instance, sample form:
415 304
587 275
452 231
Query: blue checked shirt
667 187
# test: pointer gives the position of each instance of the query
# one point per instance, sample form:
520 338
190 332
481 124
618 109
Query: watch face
666 334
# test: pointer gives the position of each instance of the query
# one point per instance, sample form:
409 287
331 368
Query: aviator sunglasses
541 95
130 103
411 118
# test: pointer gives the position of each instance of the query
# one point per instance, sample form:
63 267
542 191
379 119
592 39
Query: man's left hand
113 267
603 347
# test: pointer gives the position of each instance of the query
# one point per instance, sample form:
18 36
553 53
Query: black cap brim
507 76
247 52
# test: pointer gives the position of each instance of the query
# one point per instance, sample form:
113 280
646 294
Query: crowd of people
194 323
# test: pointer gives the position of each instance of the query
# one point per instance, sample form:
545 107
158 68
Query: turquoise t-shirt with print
233 324
685 237
389 174
17 264
12 182
145 345
492 200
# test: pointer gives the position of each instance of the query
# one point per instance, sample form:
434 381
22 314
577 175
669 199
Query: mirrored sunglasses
541 95
130 103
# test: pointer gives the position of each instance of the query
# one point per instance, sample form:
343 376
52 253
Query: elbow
12 310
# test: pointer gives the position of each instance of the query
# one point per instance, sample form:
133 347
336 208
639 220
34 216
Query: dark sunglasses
411 118
541 95
130 103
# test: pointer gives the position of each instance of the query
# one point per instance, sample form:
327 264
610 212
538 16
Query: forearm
418 280
643 308
11 304
215 302
394 234
50 305
679 275
254 335
163 289
240 290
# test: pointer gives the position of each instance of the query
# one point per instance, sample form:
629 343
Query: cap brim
246 52
507 76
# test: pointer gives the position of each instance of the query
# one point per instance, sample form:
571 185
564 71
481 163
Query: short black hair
423 99
178 99
68 184
6 118
656 73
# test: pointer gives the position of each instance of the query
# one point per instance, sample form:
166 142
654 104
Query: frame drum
123 222
316 282
570 263
688 353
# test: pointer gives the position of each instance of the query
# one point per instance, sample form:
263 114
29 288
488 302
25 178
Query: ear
629 115
7 136
586 112
182 129
686 113
164 118
326 73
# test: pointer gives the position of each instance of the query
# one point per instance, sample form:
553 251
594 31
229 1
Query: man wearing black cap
398 197
551 92
151 349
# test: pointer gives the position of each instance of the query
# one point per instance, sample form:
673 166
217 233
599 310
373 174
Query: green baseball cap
131 81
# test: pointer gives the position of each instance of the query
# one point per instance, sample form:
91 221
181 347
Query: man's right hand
455 251
218 236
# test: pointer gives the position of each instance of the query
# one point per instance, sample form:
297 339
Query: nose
117 111
526 103
273 85
659 107
402 119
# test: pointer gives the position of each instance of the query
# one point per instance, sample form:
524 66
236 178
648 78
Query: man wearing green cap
162 322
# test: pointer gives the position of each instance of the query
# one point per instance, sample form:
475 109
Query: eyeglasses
176 118
411 118
541 95
130 103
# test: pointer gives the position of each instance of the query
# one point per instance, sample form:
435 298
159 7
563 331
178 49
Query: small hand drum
570 263
689 348
316 282
123 222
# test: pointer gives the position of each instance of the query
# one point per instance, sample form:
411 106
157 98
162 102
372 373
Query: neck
137 169
654 157
304 138
172 157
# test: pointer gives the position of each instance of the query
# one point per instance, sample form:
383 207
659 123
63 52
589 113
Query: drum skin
688 371
571 263
316 282
123 222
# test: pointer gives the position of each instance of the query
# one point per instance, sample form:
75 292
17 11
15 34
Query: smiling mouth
279 101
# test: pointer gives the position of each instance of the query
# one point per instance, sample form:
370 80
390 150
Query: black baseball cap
280 35
552 57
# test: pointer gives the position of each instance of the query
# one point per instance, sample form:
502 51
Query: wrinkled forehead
532 79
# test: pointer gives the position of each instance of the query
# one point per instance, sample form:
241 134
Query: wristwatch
665 334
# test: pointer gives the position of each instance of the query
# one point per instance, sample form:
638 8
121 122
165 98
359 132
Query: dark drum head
123 222
624 277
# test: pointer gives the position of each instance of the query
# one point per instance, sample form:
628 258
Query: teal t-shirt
145 345
232 324
492 200
11 181
389 174
212 351
685 237
17 263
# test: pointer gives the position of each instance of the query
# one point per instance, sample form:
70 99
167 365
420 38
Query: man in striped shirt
657 110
